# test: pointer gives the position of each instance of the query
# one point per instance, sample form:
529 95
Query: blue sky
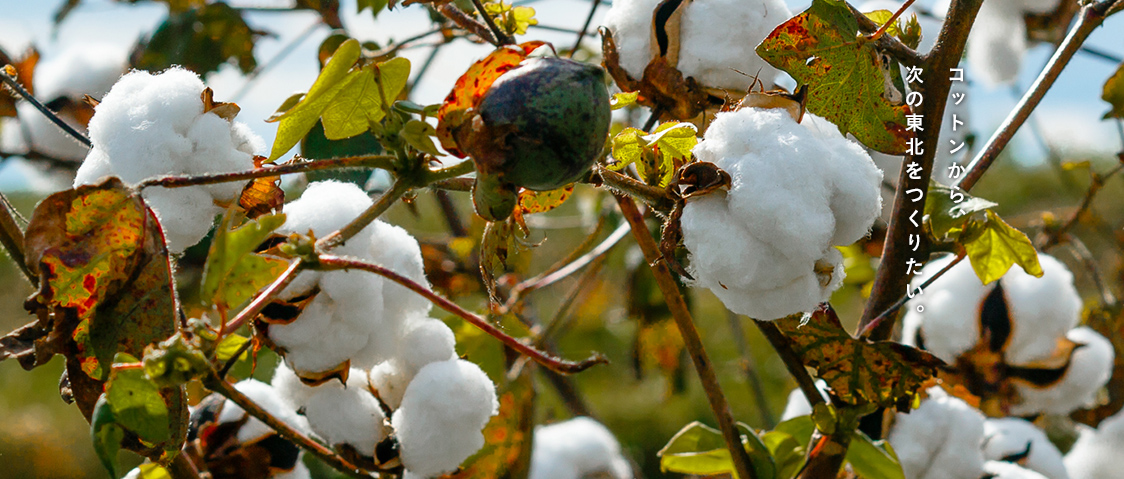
1069 115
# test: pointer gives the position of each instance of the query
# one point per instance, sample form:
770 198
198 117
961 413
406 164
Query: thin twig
182 468
893 18
558 322
655 197
686 325
465 21
215 383
14 84
1098 180
501 36
873 324
11 237
1088 19
1103 55
585 26
749 367
385 162
328 262
563 270
1078 249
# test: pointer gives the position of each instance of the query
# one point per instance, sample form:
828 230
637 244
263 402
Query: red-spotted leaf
531 202
858 371
822 47
105 280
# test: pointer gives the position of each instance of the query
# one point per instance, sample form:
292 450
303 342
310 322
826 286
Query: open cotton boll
997 42
766 246
1013 437
265 396
348 415
84 69
1089 370
574 449
424 340
152 125
443 412
939 440
1006 470
321 338
1096 454
717 37
290 388
1041 310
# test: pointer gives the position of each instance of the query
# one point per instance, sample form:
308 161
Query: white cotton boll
394 248
997 42
46 137
1041 309
423 341
390 381
325 206
939 440
796 192
580 447
348 415
1089 369
245 140
443 412
717 37
1006 470
1006 437
290 388
266 397
1096 454
319 339
152 125
185 214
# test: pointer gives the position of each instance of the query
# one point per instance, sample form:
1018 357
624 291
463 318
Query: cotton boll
185 214
152 125
266 397
795 192
580 447
939 440
717 37
1096 454
318 339
1007 437
290 388
997 42
348 415
423 341
1089 369
1006 470
390 381
1041 310
394 248
442 414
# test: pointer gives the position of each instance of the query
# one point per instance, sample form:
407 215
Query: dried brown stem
1097 182
215 383
501 37
564 269
374 161
791 361
1088 19
465 21
892 276
328 262
686 325
655 197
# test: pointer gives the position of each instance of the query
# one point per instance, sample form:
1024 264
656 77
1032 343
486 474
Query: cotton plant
154 125
1029 322
1014 439
766 246
1096 454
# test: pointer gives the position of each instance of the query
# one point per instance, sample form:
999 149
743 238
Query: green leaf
299 119
880 17
233 272
859 372
995 246
286 105
627 146
419 135
1113 93
393 75
822 48
945 216
359 103
621 100
107 435
136 402
674 141
873 459
787 452
698 449
229 345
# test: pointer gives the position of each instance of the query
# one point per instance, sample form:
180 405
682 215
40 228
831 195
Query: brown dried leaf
262 195
226 111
